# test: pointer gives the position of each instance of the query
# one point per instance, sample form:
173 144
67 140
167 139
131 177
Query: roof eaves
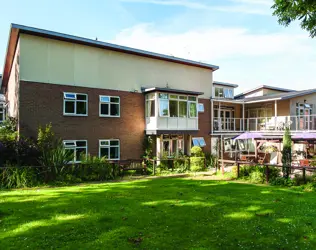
225 84
299 93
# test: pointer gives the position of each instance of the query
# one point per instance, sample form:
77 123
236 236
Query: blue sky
240 36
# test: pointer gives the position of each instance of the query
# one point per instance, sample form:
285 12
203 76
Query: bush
256 177
281 181
197 159
257 174
211 160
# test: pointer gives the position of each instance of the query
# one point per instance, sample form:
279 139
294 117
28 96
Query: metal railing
278 123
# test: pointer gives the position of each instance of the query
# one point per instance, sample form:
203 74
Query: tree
287 152
288 11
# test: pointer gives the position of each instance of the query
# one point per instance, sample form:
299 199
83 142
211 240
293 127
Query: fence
239 163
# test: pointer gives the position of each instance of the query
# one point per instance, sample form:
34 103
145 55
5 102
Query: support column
243 117
275 113
158 146
256 150
222 154
219 117
188 144
212 116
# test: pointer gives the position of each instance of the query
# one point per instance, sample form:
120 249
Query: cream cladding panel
51 61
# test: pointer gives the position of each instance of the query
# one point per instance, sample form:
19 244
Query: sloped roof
263 87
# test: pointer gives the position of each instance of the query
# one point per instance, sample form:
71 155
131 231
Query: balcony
265 124
171 123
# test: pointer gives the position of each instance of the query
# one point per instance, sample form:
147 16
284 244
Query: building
265 111
103 98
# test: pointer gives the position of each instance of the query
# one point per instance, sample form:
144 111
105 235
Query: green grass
167 213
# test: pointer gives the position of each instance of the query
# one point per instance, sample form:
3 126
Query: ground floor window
198 141
77 149
109 149
173 145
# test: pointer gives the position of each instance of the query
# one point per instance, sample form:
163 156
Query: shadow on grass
158 214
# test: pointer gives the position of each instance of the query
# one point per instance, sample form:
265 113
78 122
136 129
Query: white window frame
109 103
109 147
75 147
197 108
149 98
75 102
200 141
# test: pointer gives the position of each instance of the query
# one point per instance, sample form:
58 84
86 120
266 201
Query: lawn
167 213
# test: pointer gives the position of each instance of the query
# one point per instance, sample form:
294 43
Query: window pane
182 97
180 146
163 107
71 153
163 96
104 143
195 142
183 109
173 108
115 99
80 152
152 108
201 107
147 107
81 97
166 145
81 143
70 96
69 107
192 98
114 153
202 142
226 94
216 92
173 97
114 143
104 99
231 94
104 152
104 109
174 146
115 109
81 108
193 111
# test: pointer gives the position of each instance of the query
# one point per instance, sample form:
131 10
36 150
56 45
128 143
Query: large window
75 104
224 92
109 106
172 145
77 148
109 149
171 105
150 105
2 113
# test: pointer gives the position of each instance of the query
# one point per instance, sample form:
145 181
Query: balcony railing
279 123
171 123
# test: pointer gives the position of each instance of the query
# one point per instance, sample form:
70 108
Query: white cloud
259 2
246 57
244 7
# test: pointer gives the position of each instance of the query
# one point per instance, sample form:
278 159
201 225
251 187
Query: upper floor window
77 148
201 107
150 105
109 149
171 105
109 106
75 104
223 92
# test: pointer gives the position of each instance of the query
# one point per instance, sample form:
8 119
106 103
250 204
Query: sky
240 36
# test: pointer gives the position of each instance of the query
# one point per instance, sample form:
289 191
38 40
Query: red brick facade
41 103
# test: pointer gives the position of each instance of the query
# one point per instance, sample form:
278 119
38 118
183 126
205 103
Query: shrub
287 152
281 181
257 177
196 159
256 174
211 160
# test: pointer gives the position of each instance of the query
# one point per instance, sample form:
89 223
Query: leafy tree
288 11
287 152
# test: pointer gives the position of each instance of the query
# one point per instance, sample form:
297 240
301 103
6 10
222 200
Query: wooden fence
266 166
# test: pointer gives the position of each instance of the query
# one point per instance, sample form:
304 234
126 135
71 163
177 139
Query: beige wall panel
73 64
310 99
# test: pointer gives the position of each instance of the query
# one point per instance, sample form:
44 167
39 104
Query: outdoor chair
304 163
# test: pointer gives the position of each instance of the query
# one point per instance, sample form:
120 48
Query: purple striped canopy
248 135
305 135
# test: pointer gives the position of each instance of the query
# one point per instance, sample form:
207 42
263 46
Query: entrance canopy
248 135
304 136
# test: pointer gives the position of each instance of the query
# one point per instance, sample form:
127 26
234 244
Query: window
198 141
109 149
173 145
77 149
2 113
219 92
75 104
150 105
193 109
163 105
109 106
224 92
201 107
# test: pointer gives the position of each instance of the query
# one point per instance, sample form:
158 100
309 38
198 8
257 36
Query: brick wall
205 124
42 103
